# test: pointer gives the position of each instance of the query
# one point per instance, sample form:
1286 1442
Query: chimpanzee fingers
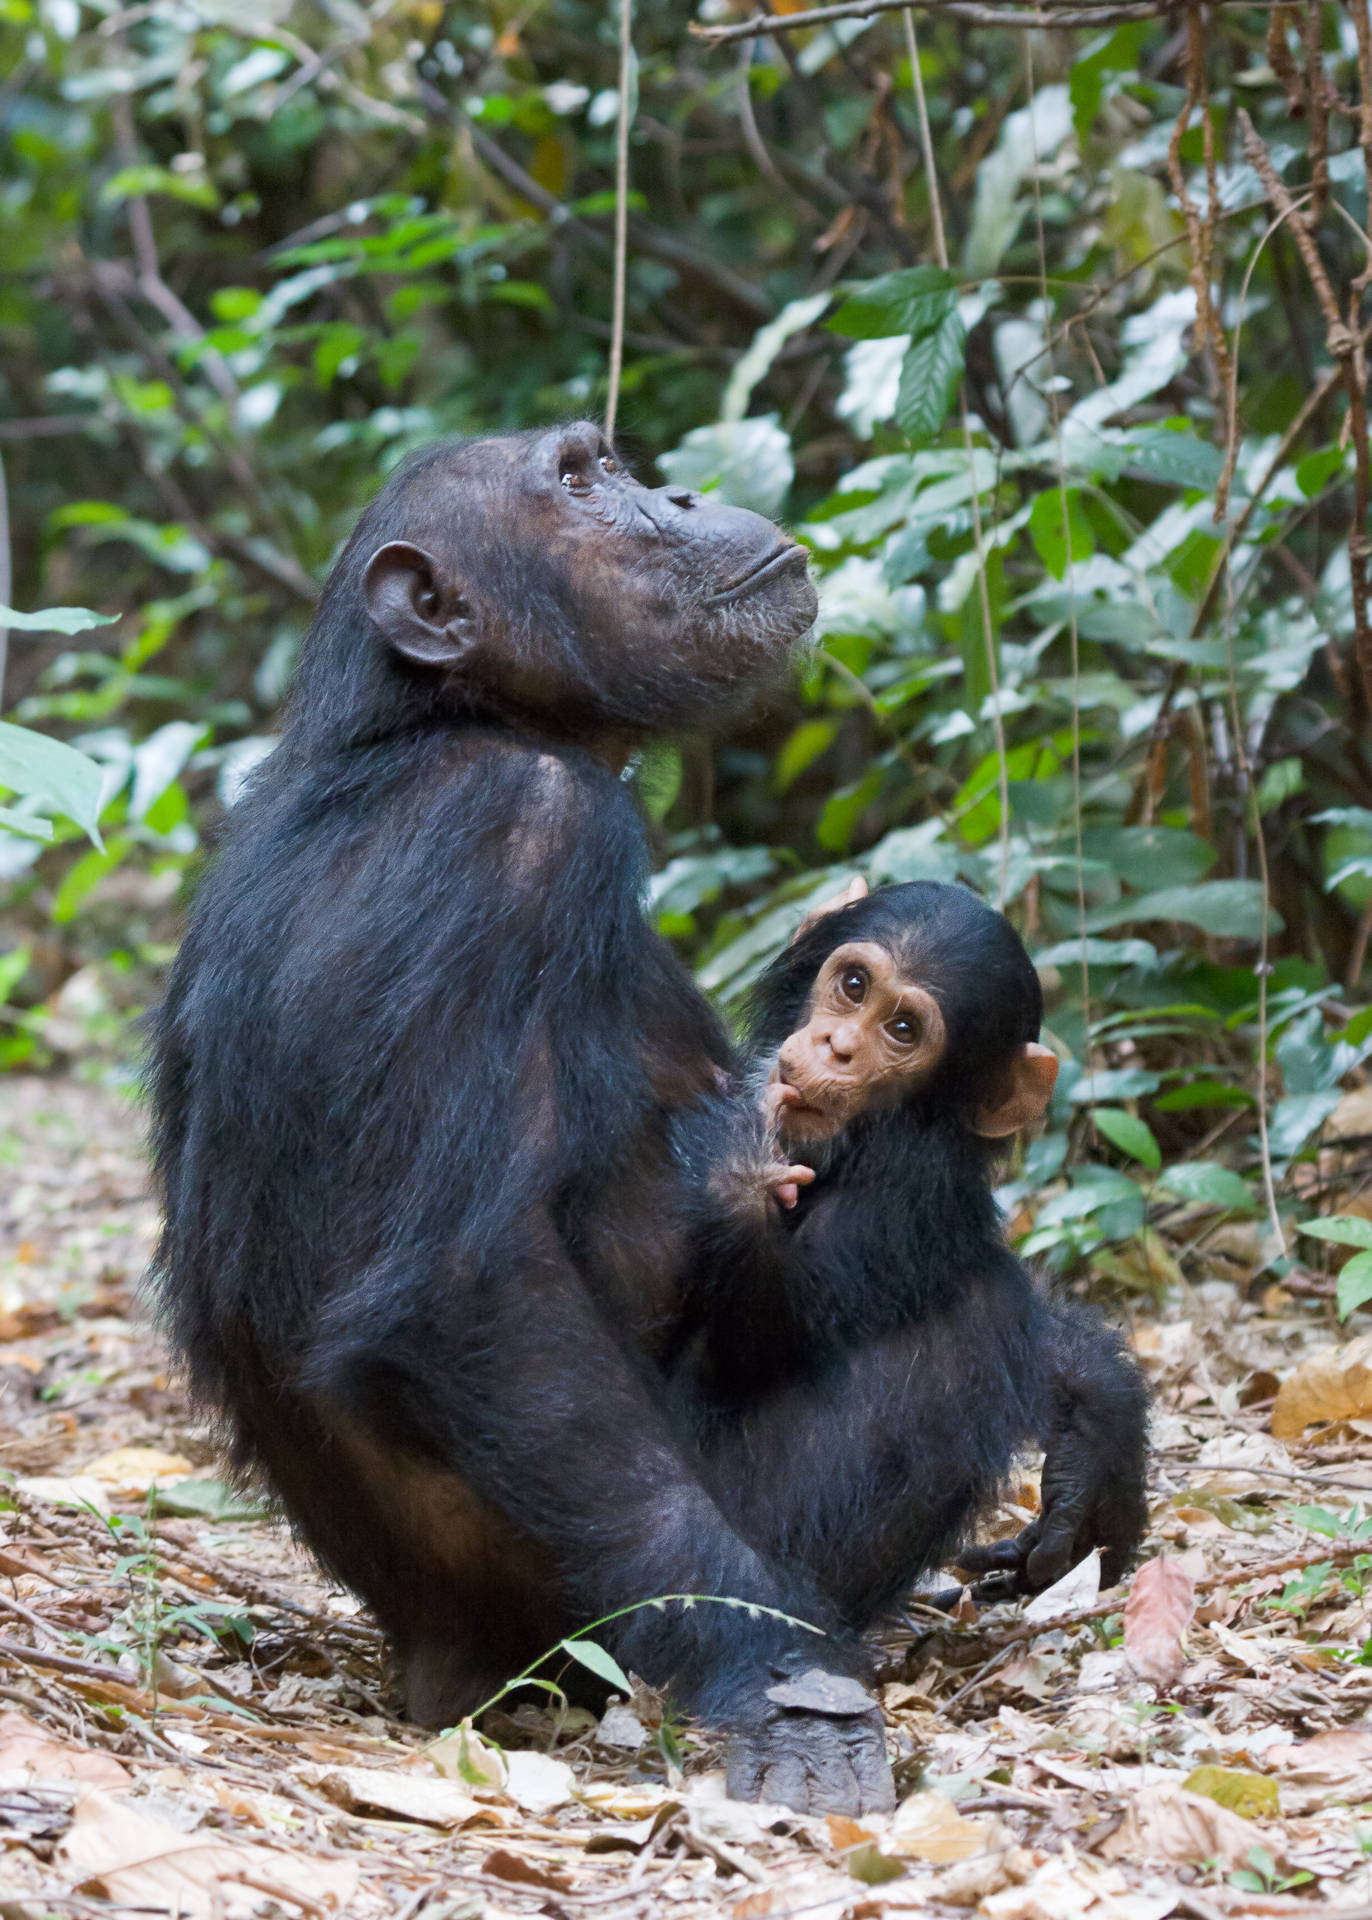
1056 1552
998 1556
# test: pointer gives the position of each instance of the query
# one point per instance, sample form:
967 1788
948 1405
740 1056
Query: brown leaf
141 1862
1161 1603
1167 1823
928 1826
1333 1384
505 1865
1341 1756
26 1748
384 1792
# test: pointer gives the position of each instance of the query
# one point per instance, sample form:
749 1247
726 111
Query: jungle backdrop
1073 419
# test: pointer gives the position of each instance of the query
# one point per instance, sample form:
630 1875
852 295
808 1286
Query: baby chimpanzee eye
608 463
905 1028
853 981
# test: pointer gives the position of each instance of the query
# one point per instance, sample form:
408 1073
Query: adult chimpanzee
414 1079
859 1363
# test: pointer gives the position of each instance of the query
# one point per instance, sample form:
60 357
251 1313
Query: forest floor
193 1721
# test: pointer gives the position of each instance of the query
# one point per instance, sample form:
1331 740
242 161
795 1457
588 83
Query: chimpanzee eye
609 463
574 480
853 983
905 1028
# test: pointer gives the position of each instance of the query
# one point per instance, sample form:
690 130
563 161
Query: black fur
414 1087
411 1083
862 1369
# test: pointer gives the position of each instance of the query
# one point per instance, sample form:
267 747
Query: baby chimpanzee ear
856 889
1024 1095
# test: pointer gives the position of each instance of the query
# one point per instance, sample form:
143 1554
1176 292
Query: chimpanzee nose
682 496
843 1042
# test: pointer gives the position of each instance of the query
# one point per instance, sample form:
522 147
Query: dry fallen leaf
524 1873
1339 1757
1161 1603
1166 1822
135 1470
928 1826
1077 1589
538 1783
428 1799
1333 1384
142 1862
26 1749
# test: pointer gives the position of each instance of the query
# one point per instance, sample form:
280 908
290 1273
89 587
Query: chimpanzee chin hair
967 955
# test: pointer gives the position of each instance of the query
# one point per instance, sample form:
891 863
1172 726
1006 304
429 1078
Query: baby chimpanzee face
872 1036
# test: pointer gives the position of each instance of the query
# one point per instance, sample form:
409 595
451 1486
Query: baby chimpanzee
857 1328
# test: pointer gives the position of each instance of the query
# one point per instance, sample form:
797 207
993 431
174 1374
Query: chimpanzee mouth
791 555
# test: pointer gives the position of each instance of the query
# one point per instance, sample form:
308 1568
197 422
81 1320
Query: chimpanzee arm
1093 1426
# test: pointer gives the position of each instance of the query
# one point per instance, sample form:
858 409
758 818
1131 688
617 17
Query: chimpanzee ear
1025 1095
416 606
856 889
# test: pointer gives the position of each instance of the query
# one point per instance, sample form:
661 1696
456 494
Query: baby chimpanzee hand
783 1181
815 1744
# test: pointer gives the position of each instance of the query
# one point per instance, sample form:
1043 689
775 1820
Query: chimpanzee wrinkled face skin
874 1034
531 575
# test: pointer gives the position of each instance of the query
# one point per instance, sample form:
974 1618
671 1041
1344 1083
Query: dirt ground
194 1722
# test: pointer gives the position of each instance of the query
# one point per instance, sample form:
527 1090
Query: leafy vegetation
1088 504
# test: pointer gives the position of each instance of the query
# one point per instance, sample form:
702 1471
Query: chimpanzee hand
783 1181
815 1744
1087 1502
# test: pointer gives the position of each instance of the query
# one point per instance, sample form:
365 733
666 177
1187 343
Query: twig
1345 346
1338 1553
6 579
974 14
626 60
983 590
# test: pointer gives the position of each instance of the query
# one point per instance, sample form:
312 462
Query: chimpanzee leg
518 1393
875 1473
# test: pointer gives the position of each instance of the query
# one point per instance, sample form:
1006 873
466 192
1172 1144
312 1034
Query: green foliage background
254 253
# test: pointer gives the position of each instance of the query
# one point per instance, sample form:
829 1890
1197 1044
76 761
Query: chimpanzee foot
816 1744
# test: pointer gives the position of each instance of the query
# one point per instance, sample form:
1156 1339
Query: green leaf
54 620
85 876
658 778
1344 1229
1061 539
929 376
1315 471
208 1500
32 825
1178 459
1232 909
1355 1284
841 814
604 1665
915 300
53 774
809 740
1130 1134
1203 1093
1209 1184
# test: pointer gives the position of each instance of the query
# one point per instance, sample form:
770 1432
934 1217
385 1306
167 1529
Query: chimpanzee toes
814 1763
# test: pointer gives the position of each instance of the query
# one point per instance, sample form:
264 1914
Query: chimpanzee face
544 574
872 1036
